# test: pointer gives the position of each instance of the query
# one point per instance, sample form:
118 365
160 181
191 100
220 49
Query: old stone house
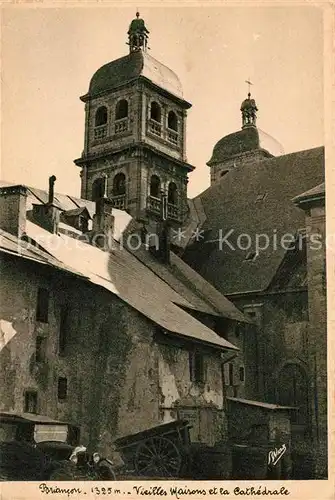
106 338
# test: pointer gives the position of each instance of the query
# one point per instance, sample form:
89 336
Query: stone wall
119 380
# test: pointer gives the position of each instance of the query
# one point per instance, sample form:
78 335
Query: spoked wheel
158 457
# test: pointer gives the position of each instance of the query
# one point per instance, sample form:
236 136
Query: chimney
13 207
48 215
103 219
52 181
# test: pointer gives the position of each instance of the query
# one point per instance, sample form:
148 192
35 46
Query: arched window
172 121
119 184
98 189
155 186
172 193
101 116
121 109
155 112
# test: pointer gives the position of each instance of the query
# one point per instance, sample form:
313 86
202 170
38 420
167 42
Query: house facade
104 338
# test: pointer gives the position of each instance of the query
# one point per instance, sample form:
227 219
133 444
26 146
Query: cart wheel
158 457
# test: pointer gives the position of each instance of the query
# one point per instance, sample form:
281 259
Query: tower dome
137 64
247 144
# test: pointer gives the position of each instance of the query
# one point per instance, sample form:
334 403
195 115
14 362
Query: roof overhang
90 96
84 160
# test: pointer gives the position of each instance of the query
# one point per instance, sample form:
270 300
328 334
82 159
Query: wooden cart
160 451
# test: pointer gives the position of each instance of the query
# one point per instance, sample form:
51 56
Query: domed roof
130 67
246 140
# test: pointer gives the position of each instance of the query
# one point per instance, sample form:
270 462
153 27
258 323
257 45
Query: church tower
135 134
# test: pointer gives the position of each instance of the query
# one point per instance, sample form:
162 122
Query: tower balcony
100 132
121 125
155 127
154 207
172 137
119 201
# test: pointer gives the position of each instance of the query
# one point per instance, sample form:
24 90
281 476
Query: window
98 189
230 374
172 193
121 109
40 349
242 373
239 330
261 197
63 330
101 116
62 388
155 186
42 308
119 184
251 314
197 367
172 121
155 112
30 402
250 256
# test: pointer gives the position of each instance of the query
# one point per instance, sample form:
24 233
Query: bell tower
135 133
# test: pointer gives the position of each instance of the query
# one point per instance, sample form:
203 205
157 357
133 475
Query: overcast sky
49 56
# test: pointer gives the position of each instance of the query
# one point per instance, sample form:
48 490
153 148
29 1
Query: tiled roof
253 199
189 285
194 291
121 273
10 244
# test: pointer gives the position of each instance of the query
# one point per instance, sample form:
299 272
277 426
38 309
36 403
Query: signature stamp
275 455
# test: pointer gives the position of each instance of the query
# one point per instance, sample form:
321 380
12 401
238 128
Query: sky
50 54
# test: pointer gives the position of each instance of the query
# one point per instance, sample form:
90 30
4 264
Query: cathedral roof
252 201
243 141
128 68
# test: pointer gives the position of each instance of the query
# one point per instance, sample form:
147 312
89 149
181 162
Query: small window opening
197 367
231 374
62 388
261 197
172 193
121 110
251 314
172 121
155 112
83 224
239 330
101 116
40 346
119 184
42 308
250 256
30 402
98 189
155 186
242 373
